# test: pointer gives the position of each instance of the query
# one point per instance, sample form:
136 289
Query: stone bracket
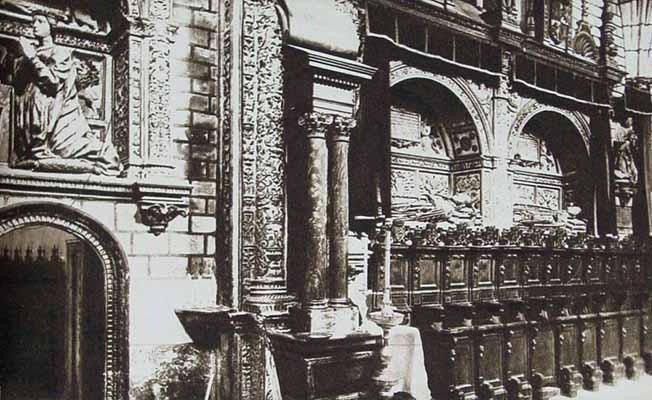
160 204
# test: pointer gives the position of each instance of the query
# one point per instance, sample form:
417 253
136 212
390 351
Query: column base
315 367
333 320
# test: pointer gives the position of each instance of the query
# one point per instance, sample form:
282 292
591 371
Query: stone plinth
314 367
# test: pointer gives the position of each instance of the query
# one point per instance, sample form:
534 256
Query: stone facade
251 142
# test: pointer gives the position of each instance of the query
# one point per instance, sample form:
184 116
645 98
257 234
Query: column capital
341 128
315 124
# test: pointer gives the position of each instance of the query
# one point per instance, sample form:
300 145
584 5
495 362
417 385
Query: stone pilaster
503 115
141 110
338 188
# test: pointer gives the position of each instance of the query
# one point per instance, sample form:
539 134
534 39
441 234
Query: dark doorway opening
52 316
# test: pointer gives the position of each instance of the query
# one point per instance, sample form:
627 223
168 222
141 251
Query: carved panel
524 193
263 141
549 198
405 184
469 184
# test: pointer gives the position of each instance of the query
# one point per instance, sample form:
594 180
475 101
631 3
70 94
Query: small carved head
41 24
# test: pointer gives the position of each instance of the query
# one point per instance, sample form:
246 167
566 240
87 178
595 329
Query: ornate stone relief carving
400 72
469 184
52 133
263 147
584 43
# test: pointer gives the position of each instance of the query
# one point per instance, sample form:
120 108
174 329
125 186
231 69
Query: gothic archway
113 263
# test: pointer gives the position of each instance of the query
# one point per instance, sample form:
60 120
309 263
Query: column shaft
338 187
604 200
315 126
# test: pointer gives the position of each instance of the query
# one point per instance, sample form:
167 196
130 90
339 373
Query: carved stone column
338 188
315 125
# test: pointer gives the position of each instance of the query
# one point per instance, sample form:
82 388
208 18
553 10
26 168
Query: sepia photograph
325 199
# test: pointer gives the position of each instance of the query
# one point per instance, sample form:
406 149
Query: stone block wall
176 269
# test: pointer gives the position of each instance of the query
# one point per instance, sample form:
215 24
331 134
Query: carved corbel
157 216
158 204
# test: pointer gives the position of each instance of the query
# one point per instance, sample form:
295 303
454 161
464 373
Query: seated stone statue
52 131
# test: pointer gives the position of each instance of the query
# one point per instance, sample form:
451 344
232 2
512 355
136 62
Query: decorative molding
420 162
400 72
113 259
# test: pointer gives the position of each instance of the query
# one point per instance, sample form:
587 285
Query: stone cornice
335 70
88 186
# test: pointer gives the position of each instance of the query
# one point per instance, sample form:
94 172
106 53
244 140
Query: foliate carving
121 107
263 145
341 128
609 29
159 98
157 216
315 124
225 228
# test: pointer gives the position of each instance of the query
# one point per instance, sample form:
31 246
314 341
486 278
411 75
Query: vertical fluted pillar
338 190
315 126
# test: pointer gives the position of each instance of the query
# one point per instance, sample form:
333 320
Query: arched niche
549 163
112 261
438 133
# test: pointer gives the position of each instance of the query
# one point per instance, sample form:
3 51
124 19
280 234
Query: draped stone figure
625 148
52 133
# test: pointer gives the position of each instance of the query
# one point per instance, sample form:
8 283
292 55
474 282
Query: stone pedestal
320 367
625 192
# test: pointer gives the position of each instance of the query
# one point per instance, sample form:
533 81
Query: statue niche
52 101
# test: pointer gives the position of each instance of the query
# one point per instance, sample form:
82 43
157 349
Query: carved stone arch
533 108
458 86
113 260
